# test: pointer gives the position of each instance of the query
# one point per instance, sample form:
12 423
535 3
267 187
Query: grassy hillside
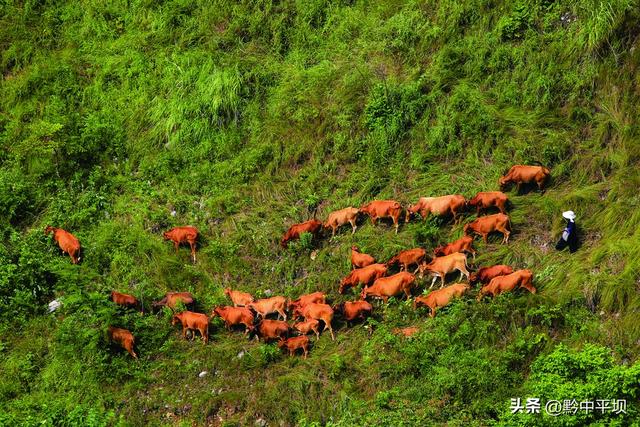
119 120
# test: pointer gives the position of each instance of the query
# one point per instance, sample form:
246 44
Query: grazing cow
382 209
487 224
193 321
311 325
407 258
126 300
406 332
234 316
522 174
317 311
441 266
186 234
487 199
312 226
124 338
441 297
386 287
337 219
440 206
294 343
485 274
303 300
463 245
172 299
266 306
238 298
268 329
366 275
359 260
507 283
67 242
352 310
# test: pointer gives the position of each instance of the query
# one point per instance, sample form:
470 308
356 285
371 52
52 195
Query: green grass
119 120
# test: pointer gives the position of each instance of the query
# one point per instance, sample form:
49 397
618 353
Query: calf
67 242
440 206
441 266
523 174
126 300
463 245
186 234
124 338
366 276
507 283
271 329
312 226
359 260
193 321
266 306
339 218
409 257
303 300
488 199
235 316
485 274
294 343
319 312
386 287
238 298
441 297
487 224
305 327
352 310
383 209
172 299
406 332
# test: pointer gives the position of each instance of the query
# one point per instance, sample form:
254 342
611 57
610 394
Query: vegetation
119 120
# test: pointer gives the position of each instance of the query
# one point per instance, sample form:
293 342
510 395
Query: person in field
569 234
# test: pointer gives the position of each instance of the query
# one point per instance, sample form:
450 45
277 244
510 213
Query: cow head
529 287
503 181
422 268
417 302
439 251
284 240
468 228
338 308
282 342
49 229
175 319
473 278
355 248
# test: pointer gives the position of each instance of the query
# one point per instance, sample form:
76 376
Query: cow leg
433 281
432 312
328 325
373 219
396 223
284 315
442 280
193 251
175 245
417 269
484 237
353 226
333 231
306 350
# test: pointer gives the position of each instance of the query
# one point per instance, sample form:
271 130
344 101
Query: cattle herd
311 310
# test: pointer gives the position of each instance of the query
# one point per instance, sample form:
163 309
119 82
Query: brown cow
523 174
303 300
186 234
172 299
193 321
485 274
359 259
126 300
487 224
407 258
317 311
507 283
294 343
440 206
269 329
366 275
382 209
487 199
312 226
441 266
386 287
234 316
67 242
407 332
352 310
441 297
238 298
266 306
311 325
463 245
337 219
124 338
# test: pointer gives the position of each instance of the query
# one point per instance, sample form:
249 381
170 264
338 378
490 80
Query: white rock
54 305
202 374
268 292
173 212
241 354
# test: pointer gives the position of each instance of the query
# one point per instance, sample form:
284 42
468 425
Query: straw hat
569 215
